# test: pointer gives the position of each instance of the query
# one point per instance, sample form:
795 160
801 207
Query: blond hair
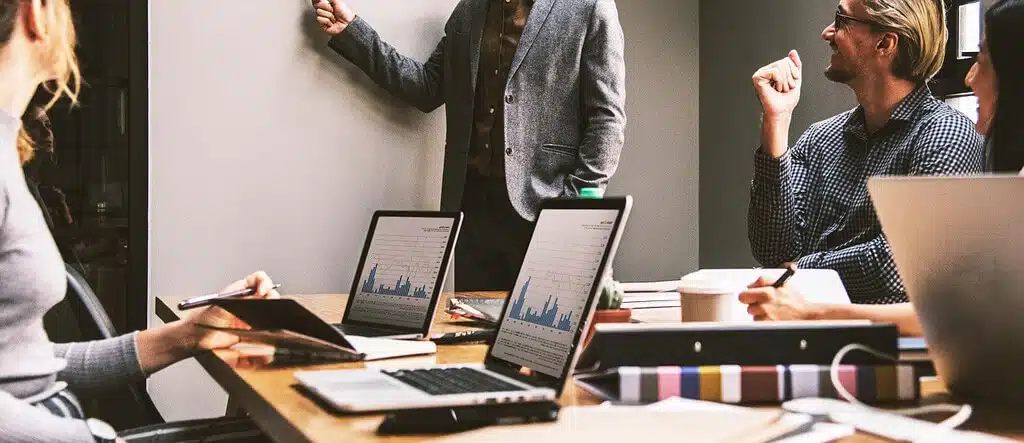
921 26
67 77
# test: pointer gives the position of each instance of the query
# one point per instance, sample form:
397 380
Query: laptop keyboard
446 381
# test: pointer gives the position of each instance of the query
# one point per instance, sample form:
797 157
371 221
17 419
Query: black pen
204 300
464 337
790 270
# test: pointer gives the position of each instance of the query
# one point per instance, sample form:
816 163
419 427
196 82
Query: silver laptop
539 331
958 244
400 274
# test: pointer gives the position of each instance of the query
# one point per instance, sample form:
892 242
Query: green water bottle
595 193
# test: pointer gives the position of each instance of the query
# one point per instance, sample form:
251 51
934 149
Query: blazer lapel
538 15
477 19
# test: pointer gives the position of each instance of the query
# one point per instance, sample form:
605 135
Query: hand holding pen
781 281
767 300
204 300
197 323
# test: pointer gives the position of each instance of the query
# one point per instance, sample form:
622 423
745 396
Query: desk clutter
712 294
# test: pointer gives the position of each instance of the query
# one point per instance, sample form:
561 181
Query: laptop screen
404 261
551 294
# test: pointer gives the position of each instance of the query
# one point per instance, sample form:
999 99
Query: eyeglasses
841 21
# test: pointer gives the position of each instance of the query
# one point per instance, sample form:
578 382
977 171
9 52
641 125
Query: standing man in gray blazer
535 93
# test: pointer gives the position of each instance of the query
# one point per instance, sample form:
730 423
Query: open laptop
401 274
539 331
958 244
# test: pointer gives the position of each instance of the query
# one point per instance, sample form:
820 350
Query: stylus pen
204 300
790 270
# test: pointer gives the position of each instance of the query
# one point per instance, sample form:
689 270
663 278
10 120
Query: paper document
380 348
655 286
817 285
636 297
650 300
657 315
679 404
624 424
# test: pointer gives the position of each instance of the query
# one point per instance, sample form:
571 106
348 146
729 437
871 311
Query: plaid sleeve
867 270
775 218
948 145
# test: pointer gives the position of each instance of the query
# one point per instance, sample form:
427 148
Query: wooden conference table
268 394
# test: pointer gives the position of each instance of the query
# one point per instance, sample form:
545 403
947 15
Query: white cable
962 413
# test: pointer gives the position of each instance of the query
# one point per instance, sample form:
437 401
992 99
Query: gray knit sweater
32 281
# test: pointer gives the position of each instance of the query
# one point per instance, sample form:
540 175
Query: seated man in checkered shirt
809 203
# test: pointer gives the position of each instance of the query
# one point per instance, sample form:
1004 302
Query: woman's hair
1004 31
67 78
921 25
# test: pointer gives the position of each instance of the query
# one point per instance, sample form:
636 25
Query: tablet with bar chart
554 285
401 269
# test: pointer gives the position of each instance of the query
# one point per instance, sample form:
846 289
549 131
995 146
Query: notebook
285 324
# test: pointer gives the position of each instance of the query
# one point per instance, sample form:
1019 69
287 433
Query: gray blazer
565 97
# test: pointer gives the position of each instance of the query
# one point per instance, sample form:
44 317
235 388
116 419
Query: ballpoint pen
204 300
790 270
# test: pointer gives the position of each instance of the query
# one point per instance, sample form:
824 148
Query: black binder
752 344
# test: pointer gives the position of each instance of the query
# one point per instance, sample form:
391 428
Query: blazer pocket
566 150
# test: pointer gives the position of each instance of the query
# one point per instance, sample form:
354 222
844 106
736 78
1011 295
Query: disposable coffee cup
707 300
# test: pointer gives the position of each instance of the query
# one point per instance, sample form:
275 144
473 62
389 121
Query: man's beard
839 75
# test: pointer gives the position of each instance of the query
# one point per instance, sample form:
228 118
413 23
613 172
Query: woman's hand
203 338
765 302
168 344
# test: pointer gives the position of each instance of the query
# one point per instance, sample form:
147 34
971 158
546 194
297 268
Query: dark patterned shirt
811 206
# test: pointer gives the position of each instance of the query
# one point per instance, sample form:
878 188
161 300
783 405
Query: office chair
135 406
134 409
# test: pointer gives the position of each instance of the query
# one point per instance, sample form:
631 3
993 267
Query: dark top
502 30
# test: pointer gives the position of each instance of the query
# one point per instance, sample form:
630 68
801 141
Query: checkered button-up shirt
811 206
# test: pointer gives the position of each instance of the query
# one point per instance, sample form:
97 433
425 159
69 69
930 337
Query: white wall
265 149
270 152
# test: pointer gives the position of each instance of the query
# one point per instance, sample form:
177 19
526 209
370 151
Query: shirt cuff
133 354
811 261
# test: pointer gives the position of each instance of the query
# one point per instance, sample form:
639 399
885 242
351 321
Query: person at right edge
534 95
809 203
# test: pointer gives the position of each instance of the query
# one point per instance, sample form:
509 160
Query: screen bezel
511 369
449 251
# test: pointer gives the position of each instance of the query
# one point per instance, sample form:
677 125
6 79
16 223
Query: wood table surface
268 392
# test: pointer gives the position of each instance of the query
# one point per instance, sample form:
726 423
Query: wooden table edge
262 412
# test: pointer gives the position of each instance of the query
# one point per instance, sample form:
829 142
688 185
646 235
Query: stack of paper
480 309
650 295
656 286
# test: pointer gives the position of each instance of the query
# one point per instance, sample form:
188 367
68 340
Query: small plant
611 295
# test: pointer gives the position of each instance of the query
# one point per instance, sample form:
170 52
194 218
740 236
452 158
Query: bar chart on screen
554 285
400 271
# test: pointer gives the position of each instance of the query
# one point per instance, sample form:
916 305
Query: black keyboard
446 381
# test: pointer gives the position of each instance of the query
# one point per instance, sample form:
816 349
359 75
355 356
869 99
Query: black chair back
92 318
129 409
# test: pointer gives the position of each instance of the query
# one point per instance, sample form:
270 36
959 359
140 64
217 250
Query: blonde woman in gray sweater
37 377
